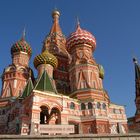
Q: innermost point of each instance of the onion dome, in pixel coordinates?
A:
(101, 71)
(45, 58)
(81, 36)
(21, 46)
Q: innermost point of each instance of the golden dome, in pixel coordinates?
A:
(45, 58)
(101, 71)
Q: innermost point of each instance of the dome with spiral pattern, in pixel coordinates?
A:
(45, 58)
(21, 46)
(81, 36)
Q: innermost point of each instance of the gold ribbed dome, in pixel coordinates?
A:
(45, 58)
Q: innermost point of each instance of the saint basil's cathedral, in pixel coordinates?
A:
(68, 90)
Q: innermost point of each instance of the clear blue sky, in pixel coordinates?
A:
(114, 23)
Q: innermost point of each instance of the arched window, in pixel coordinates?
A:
(72, 105)
(104, 106)
(98, 105)
(55, 115)
(83, 106)
(90, 105)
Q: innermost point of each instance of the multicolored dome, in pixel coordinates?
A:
(45, 58)
(21, 46)
(81, 36)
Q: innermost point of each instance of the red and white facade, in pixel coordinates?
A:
(78, 98)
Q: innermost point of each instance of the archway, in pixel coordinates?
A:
(55, 116)
(44, 115)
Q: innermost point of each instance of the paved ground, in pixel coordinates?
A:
(133, 136)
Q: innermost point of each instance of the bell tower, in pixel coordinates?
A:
(15, 75)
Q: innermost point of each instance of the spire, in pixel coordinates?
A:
(56, 27)
(55, 41)
(78, 22)
(137, 69)
(23, 34)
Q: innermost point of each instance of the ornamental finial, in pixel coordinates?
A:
(135, 60)
(23, 33)
(78, 22)
(55, 14)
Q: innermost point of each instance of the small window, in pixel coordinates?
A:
(83, 106)
(98, 105)
(90, 105)
(72, 105)
(104, 106)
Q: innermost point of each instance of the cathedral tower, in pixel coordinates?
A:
(45, 61)
(134, 122)
(85, 74)
(86, 79)
(15, 76)
(55, 42)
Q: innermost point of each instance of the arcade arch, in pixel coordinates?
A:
(50, 116)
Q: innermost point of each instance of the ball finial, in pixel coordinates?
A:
(55, 14)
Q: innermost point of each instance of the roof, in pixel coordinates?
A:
(45, 83)
(28, 89)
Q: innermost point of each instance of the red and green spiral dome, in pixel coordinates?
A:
(21, 46)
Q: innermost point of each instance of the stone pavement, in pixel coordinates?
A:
(134, 136)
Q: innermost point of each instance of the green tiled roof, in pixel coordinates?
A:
(45, 83)
(28, 89)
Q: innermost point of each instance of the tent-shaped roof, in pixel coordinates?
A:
(45, 83)
(28, 89)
